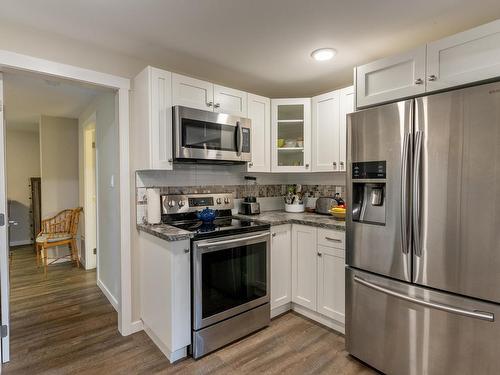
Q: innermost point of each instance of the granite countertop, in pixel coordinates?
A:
(305, 218)
(166, 232)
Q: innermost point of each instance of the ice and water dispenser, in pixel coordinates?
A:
(369, 192)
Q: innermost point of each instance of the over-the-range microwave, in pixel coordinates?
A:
(209, 136)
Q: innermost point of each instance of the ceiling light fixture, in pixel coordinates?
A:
(323, 54)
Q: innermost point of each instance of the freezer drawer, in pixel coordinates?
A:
(400, 328)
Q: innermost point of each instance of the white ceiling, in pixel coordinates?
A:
(262, 46)
(27, 96)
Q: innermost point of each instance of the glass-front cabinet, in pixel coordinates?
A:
(291, 135)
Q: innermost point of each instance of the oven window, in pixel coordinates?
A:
(208, 135)
(232, 277)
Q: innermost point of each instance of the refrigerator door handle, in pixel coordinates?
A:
(487, 316)
(404, 194)
(416, 192)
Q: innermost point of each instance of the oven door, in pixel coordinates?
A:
(230, 275)
(204, 135)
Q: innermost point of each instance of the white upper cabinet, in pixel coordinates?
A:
(469, 56)
(192, 92)
(291, 135)
(151, 128)
(325, 132)
(230, 101)
(391, 78)
(281, 265)
(304, 265)
(347, 97)
(259, 112)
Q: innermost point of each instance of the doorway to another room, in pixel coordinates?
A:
(53, 131)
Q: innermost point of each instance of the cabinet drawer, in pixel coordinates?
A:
(331, 238)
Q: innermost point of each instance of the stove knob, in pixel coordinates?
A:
(226, 200)
(218, 201)
(181, 203)
(171, 203)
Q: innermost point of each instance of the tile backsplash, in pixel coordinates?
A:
(239, 192)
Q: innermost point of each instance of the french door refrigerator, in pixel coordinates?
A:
(423, 234)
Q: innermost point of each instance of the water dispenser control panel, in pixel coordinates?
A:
(369, 169)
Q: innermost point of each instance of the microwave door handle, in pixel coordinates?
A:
(239, 138)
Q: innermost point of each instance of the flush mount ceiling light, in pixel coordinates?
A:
(323, 54)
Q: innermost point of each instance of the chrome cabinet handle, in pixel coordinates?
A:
(333, 239)
(186, 251)
(307, 165)
(216, 105)
(432, 77)
(209, 104)
(490, 317)
(416, 192)
(419, 81)
(250, 164)
(404, 194)
(170, 160)
(274, 234)
(319, 254)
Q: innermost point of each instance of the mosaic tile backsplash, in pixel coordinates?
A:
(261, 191)
(239, 191)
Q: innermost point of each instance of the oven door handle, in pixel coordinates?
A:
(204, 245)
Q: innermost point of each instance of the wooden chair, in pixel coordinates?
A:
(58, 231)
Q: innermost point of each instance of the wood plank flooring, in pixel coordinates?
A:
(65, 325)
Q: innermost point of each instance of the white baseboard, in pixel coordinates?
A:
(172, 356)
(313, 315)
(135, 327)
(109, 296)
(326, 321)
(281, 310)
(20, 243)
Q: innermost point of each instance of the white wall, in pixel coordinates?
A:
(108, 195)
(23, 162)
(59, 164)
(58, 169)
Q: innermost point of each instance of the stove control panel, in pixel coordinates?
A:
(183, 203)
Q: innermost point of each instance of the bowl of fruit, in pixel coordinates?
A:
(338, 212)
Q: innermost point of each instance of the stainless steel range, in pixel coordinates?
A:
(230, 270)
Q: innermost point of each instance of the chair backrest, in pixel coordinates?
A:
(65, 221)
(74, 221)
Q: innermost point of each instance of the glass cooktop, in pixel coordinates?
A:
(220, 227)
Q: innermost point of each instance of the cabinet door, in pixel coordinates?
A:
(230, 101)
(304, 266)
(281, 265)
(160, 141)
(391, 78)
(259, 111)
(470, 56)
(346, 106)
(192, 92)
(325, 132)
(291, 135)
(331, 283)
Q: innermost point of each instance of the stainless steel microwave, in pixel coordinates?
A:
(210, 136)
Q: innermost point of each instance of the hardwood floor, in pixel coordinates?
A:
(65, 325)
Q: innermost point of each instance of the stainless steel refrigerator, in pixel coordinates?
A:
(423, 234)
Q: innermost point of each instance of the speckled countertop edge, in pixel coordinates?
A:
(304, 218)
(165, 232)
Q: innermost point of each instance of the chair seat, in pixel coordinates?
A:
(53, 237)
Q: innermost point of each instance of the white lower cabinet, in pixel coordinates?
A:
(308, 269)
(331, 283)
(304, 266)
(165, 291)
(281, 265)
